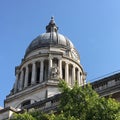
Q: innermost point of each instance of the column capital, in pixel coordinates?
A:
(59, 57)
(41, 60)
(66, 62)
(50, 56)
(33, 62)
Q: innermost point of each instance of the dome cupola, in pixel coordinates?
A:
(52, 26)
(50, 39)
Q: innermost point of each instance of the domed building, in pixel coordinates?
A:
(49, 58)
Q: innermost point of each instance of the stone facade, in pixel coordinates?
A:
(108, 86)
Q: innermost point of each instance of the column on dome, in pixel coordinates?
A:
(66, 72)
(21, 80)
(84, 78)
(33, 77)
(26, 77)
(81, 81)
(78, 77)
(73, 75)
(60, 68)
(24, 71)
(41, 70)
(50, 65)
(16, 83)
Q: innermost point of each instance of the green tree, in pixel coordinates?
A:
(78, 103)
(24, 116)
(84, 103)
(32, 115)
(39, 115)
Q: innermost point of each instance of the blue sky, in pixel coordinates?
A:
(92, 25)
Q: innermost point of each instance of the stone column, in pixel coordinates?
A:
(16, 83)
(60, 68)
(26, 77)
(73, 75)
(41, 70)
(66, 72)
(33, 73)
(21, 80)
(84, 78)
(78, 77)
(81, 81)
(50, 62)
(50, 66)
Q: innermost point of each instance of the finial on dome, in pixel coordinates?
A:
(52, 18)
(52, 26)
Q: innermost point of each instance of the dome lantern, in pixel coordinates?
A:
(52, 26)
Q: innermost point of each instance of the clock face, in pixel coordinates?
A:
(74, 54)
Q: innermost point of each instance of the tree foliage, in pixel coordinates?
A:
(32, 115)
(85, 104)
(24, 116)
(78, 103)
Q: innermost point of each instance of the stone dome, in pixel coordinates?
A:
(49, 39)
